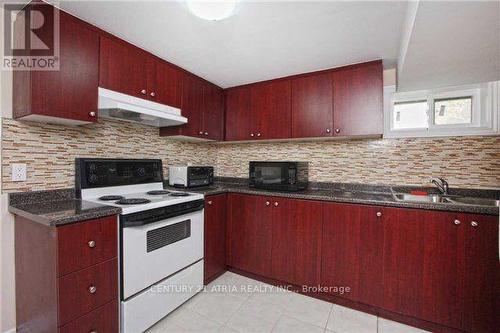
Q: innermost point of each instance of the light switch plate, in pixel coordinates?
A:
(18, 172)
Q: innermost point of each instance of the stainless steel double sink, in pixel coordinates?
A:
(449, 199)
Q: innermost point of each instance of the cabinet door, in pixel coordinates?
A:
(312, 106)
(213, 118)
(403, 259)
(215, 235)
(352, 248)
(442, 267)
(71, 91)
(122, 68)
(164, 82)
(296, 241)
(482, 273)
(192, 105)
(250, 233)
(238, 114)
(270, 109)
(358, 99)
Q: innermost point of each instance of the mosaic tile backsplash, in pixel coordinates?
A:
(49, 152)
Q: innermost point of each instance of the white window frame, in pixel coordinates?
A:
(485, 111)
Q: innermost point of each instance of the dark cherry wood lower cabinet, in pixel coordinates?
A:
(250, 233)
(430, 269)
(215, 236)
(351, 255)
(296, 241)
(103, 319)
(57, 292)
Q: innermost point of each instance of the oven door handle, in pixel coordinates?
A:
(127, 223)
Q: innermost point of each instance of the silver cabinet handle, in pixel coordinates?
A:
(206, 133)
(474, 224)
(93, 331)
(92, 113)
(456, 222)
(379, 214)
(92, 289)
(200, 133)
(152, 94)
(258, 134)
(276, 204)
(91, 243)
(337, 130)
(328, 130)
(143, 91)
(267, 203)
(251, 134)
(210, 202)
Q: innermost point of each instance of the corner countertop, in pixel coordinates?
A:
(354, 193)
(57, 207)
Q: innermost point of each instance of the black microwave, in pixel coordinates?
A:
(279, 176)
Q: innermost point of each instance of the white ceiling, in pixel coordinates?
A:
(452, 43)
(433, 43)
(263, 40)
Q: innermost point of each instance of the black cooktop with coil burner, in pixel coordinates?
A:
(132, 201)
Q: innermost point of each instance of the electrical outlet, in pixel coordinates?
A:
(18, 172)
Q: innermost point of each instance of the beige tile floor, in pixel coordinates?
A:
(234, 303)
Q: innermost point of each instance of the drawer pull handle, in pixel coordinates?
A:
(267, 203)
(209, 202)
(457, 222)
(92, 289)
(474, 224)
(93, 331)
(91, 244)
(379, 214)
(276, 204)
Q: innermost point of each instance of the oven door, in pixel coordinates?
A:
(154, 251)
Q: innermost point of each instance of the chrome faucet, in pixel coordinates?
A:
(441, 184)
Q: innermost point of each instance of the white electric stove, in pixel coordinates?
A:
(161, 236)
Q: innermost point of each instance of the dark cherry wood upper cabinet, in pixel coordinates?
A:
(296, 240)
(213, 112)
(358, 99)
(352, 251)
(482, 273)
(312, 106)
(215, 236)
(203, 105)
(250, 233)
(270, 110)
(67, 95)
(164, 82)
(122, 68)
(238, 116)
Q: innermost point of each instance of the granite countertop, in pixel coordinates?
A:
(60, 207)
(57, 207)
(355, 193)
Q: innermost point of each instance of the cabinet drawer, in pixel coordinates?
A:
(85, 290)
(85, 244)
(102, 320)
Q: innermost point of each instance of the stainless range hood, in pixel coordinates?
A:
(115, 105)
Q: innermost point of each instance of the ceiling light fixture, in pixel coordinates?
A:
(212, 10)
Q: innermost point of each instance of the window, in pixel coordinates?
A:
(411, 114)
(451, 111)
(467, 110)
